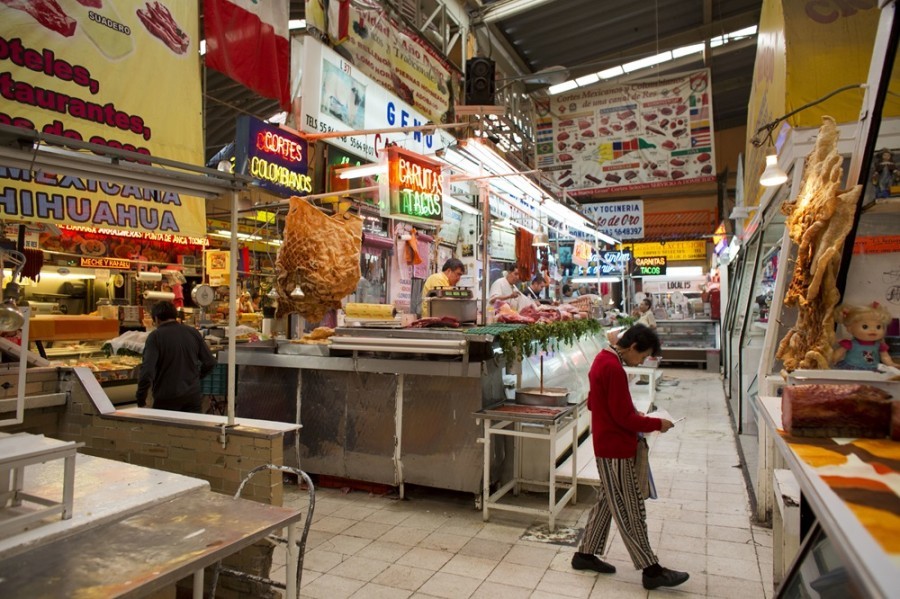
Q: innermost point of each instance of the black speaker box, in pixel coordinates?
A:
(480, 85)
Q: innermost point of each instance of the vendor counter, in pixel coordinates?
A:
(391, 406)
(851, 487)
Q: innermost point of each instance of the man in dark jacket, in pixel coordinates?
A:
(175, 359)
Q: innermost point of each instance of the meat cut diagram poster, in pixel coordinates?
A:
(606, 138)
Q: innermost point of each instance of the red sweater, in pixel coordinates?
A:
(615, 423)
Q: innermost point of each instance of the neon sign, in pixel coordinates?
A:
(416, 186)
(274, 157)
(650, 265)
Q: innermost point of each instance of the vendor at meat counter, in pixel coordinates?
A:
(449, 276)
(504, 289)
(533, 292)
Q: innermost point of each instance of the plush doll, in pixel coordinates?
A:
(867, 325)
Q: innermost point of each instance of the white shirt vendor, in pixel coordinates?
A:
(503, 290)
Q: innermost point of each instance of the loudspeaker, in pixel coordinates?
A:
(480, 86)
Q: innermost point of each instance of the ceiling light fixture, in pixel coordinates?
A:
(773, 175)
(364, 170)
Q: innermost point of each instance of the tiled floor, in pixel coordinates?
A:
(435, 544)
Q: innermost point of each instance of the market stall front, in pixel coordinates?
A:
(393, 406)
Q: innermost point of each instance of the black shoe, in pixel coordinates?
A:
(588, 561)
(642, 383)
(666, 578)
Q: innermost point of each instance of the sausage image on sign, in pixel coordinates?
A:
(160, 22)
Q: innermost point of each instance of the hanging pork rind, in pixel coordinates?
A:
(819, 220)
(320, 253)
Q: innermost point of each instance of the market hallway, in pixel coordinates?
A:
(436, 545)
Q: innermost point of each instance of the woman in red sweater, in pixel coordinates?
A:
(615, 425)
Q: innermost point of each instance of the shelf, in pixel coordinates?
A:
(889, 205)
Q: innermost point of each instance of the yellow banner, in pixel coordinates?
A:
(218, 265)
(806, 50)
(125, 75)
(674, 251)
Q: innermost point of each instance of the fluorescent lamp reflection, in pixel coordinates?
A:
(242, 236)
(458, 205)
(366, 170)
(562, 87)
(610, 73)
(687, 50)
(582, 280)
(587, 79)
(643, 63)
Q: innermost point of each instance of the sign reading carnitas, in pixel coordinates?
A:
(416, 186)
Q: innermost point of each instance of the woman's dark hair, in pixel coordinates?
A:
(642, 337)
(162, 311)
(567, 289)
(453, 264)
(647, 301)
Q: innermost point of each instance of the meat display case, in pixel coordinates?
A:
(690, 340)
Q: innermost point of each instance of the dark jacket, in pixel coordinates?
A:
(175, 359)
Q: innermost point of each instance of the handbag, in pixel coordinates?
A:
(642, 469)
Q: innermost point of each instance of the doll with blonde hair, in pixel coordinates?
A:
(867, 349)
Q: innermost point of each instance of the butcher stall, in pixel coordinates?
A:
(393, 406)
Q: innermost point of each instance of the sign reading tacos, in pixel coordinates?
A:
(416, 186)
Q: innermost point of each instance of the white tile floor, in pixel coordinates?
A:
(435, 544)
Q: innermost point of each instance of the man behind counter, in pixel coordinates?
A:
(449, 276)
(175, 359)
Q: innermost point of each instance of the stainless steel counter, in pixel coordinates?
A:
(389, 409)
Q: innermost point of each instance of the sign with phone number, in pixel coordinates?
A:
(650, 266)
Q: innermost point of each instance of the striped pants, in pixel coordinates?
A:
(619, 497)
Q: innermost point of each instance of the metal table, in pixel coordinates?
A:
(529, 422)
(148, 551)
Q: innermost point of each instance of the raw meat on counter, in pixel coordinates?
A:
(434, 321)
(836, 411)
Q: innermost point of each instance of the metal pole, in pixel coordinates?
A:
(232, 308)
(484, 196)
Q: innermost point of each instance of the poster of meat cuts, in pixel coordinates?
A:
(603, 138)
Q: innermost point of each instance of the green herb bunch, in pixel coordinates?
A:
(526, 341)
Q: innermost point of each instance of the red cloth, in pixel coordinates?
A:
(615, 422)
(250, 43)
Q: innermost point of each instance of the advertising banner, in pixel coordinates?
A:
(602, 138)
(619, 220)
(337, 96)
(396, 59)
(123, 74)
(218, 267)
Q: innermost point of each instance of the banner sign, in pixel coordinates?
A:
(674, 251)
(650, 266)
(619, 220)
(397, 59)
(336, 96)
(105, 263)
(581, 253)
(274, 157)
(601, 139)
(415, 187)
(218, 266)
(107, 75)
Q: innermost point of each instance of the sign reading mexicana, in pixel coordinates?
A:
(416, 186)
(274, 157)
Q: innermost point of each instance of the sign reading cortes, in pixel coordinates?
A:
(272, 156)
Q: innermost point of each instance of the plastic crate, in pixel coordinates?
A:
(216, 382)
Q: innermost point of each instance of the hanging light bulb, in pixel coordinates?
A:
(273, 294)
(297, 292)
(773, 175)
(540, 239)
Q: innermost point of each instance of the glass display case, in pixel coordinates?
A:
(690, 340)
